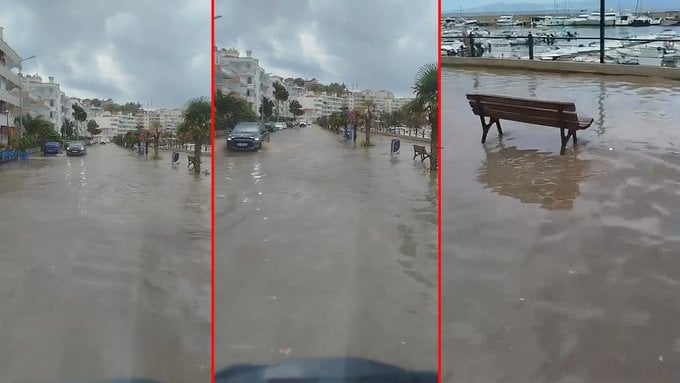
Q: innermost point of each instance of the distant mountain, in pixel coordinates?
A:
(542, 7)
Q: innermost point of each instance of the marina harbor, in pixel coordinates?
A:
(630, 38)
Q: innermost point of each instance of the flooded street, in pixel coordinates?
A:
(562, 268)
(324, 249)
(105, 263)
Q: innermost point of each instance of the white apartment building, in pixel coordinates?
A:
(112, 124)
(44, 99)
(169, 119)
(9, 89)
(316, 105)
(241, 75)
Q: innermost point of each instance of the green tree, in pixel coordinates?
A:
(93, 128)
(39, 130)
(80, 116)
(196, 126)
(266, 108)
(229, 110)
(425, 103)
(295, 108)
(280, 95)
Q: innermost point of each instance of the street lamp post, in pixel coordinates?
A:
(21, 96)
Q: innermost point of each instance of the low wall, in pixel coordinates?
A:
(564, 67)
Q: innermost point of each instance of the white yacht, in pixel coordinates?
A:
(551, 21)
(505, 21)
(579, 20)
(609, 19)
(624, 19)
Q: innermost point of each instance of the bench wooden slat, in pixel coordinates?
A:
(419, 150)
(531, 119)
(489, 107)
(566, 106)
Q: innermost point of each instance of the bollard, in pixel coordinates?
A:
(531, 46)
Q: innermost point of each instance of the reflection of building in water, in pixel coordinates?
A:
(534, 177)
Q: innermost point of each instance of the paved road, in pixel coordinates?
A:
(105, 269)
(323, 249)
(562, 268)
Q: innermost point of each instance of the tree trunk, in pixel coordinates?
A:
(369, 118)
(155, 146)
(197, 155)
(434, 140)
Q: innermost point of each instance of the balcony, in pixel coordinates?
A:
(10, 76)
(11, 98)
(543, 250)
(11, 57)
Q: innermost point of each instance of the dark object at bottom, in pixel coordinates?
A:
(323, 370)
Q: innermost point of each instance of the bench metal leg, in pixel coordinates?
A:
(498, 126)
(485, 127)
(565, 138)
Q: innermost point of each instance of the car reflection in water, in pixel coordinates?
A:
(323, 370)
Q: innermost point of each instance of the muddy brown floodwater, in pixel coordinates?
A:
(562, 268)
(105, 263)
(323, 249)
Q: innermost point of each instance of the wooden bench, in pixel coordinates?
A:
(419, 150)
(547, 113)
(192, 161)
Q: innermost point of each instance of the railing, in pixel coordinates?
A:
(9, 155)
(474, 45)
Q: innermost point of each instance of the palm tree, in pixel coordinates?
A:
(366, 110)
(156, 133)
(425, 88)
(196, 126)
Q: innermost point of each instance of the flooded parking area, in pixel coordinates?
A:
(562, 268)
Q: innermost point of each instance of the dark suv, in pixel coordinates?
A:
(247, 136)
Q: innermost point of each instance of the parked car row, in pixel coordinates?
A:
(73, 148)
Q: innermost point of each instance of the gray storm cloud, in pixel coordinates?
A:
(379, 44)
(146, 51)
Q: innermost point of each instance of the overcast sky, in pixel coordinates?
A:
(379, 44)
(130, 50)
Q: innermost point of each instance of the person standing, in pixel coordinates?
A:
(354, 132)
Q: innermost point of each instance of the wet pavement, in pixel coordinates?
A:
(562, 268)
(324, 249)
(105, 265)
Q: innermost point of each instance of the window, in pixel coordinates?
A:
(250, 80)
(51, 102)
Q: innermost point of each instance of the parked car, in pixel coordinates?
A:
(279, 126)
(76, 148)
(269, 126)
(302, 124)
(247, 136)
(51, 148)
